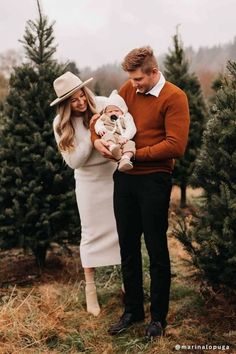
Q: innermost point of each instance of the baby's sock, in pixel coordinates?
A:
(125, 164)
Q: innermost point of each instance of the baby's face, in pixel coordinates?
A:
(110, 110)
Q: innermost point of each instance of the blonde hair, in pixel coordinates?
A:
(142, 58)
(65, 127)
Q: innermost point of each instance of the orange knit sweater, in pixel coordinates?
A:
(162, 127)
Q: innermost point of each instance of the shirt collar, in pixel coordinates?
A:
(155, 91)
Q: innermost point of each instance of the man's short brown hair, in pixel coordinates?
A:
(142, 58)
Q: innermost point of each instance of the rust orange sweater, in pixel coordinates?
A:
(162, 127)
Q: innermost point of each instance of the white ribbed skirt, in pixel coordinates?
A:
(94, 194)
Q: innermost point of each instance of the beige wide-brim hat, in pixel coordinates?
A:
(66, 85)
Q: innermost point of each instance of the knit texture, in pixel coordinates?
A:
(162, 127)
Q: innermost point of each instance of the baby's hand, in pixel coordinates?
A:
(101, 132)
(122, 140)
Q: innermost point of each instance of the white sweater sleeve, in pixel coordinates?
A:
(76, 158)
(130, 128)
(99, 126)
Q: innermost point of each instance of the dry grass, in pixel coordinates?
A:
(46, 313)
(33, 318)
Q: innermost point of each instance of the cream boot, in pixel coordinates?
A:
(91, 298)
(91, 292)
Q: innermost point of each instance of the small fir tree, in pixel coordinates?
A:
(211, 239)
(37, 190)
(71, 66)
(177, 72)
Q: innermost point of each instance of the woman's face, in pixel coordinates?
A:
(78, 103)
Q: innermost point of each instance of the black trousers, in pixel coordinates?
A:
(141, 204)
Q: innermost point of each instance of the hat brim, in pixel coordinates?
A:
(70, 93)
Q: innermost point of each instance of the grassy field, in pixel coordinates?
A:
(45, 313)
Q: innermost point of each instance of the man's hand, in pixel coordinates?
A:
(102, 147)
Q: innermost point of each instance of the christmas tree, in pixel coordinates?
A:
(211, 239)
(177, 71)
(37, 189)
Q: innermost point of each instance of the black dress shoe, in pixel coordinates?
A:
(154, 329)
(126, 320)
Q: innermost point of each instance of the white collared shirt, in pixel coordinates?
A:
(155, 91)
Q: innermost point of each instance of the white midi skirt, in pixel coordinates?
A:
(94, 194)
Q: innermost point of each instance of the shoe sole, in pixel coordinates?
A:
(152, 338)
(126, 167)
(124, 329)
(120, 331)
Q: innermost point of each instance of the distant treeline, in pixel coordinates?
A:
(214, 58)
(206, 62)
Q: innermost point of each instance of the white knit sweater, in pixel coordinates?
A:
(84, 155)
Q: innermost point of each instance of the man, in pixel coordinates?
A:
(141, 195)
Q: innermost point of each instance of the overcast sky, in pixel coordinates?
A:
(96, 32)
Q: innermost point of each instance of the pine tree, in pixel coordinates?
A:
(71, 66)
(177, 72)
(37, 198)
(212, 238)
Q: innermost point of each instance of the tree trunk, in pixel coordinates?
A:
(40, 252)
(183, 199)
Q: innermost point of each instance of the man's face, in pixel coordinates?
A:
(143, 82)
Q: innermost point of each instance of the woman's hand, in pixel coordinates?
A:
(102, 147)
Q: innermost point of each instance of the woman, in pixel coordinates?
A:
(93, 178)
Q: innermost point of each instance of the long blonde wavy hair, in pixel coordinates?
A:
(65, 127)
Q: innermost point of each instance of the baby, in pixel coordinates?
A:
(116, 126)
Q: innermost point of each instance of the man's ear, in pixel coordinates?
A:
(155, 70)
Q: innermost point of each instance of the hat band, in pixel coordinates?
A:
(69, 91)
